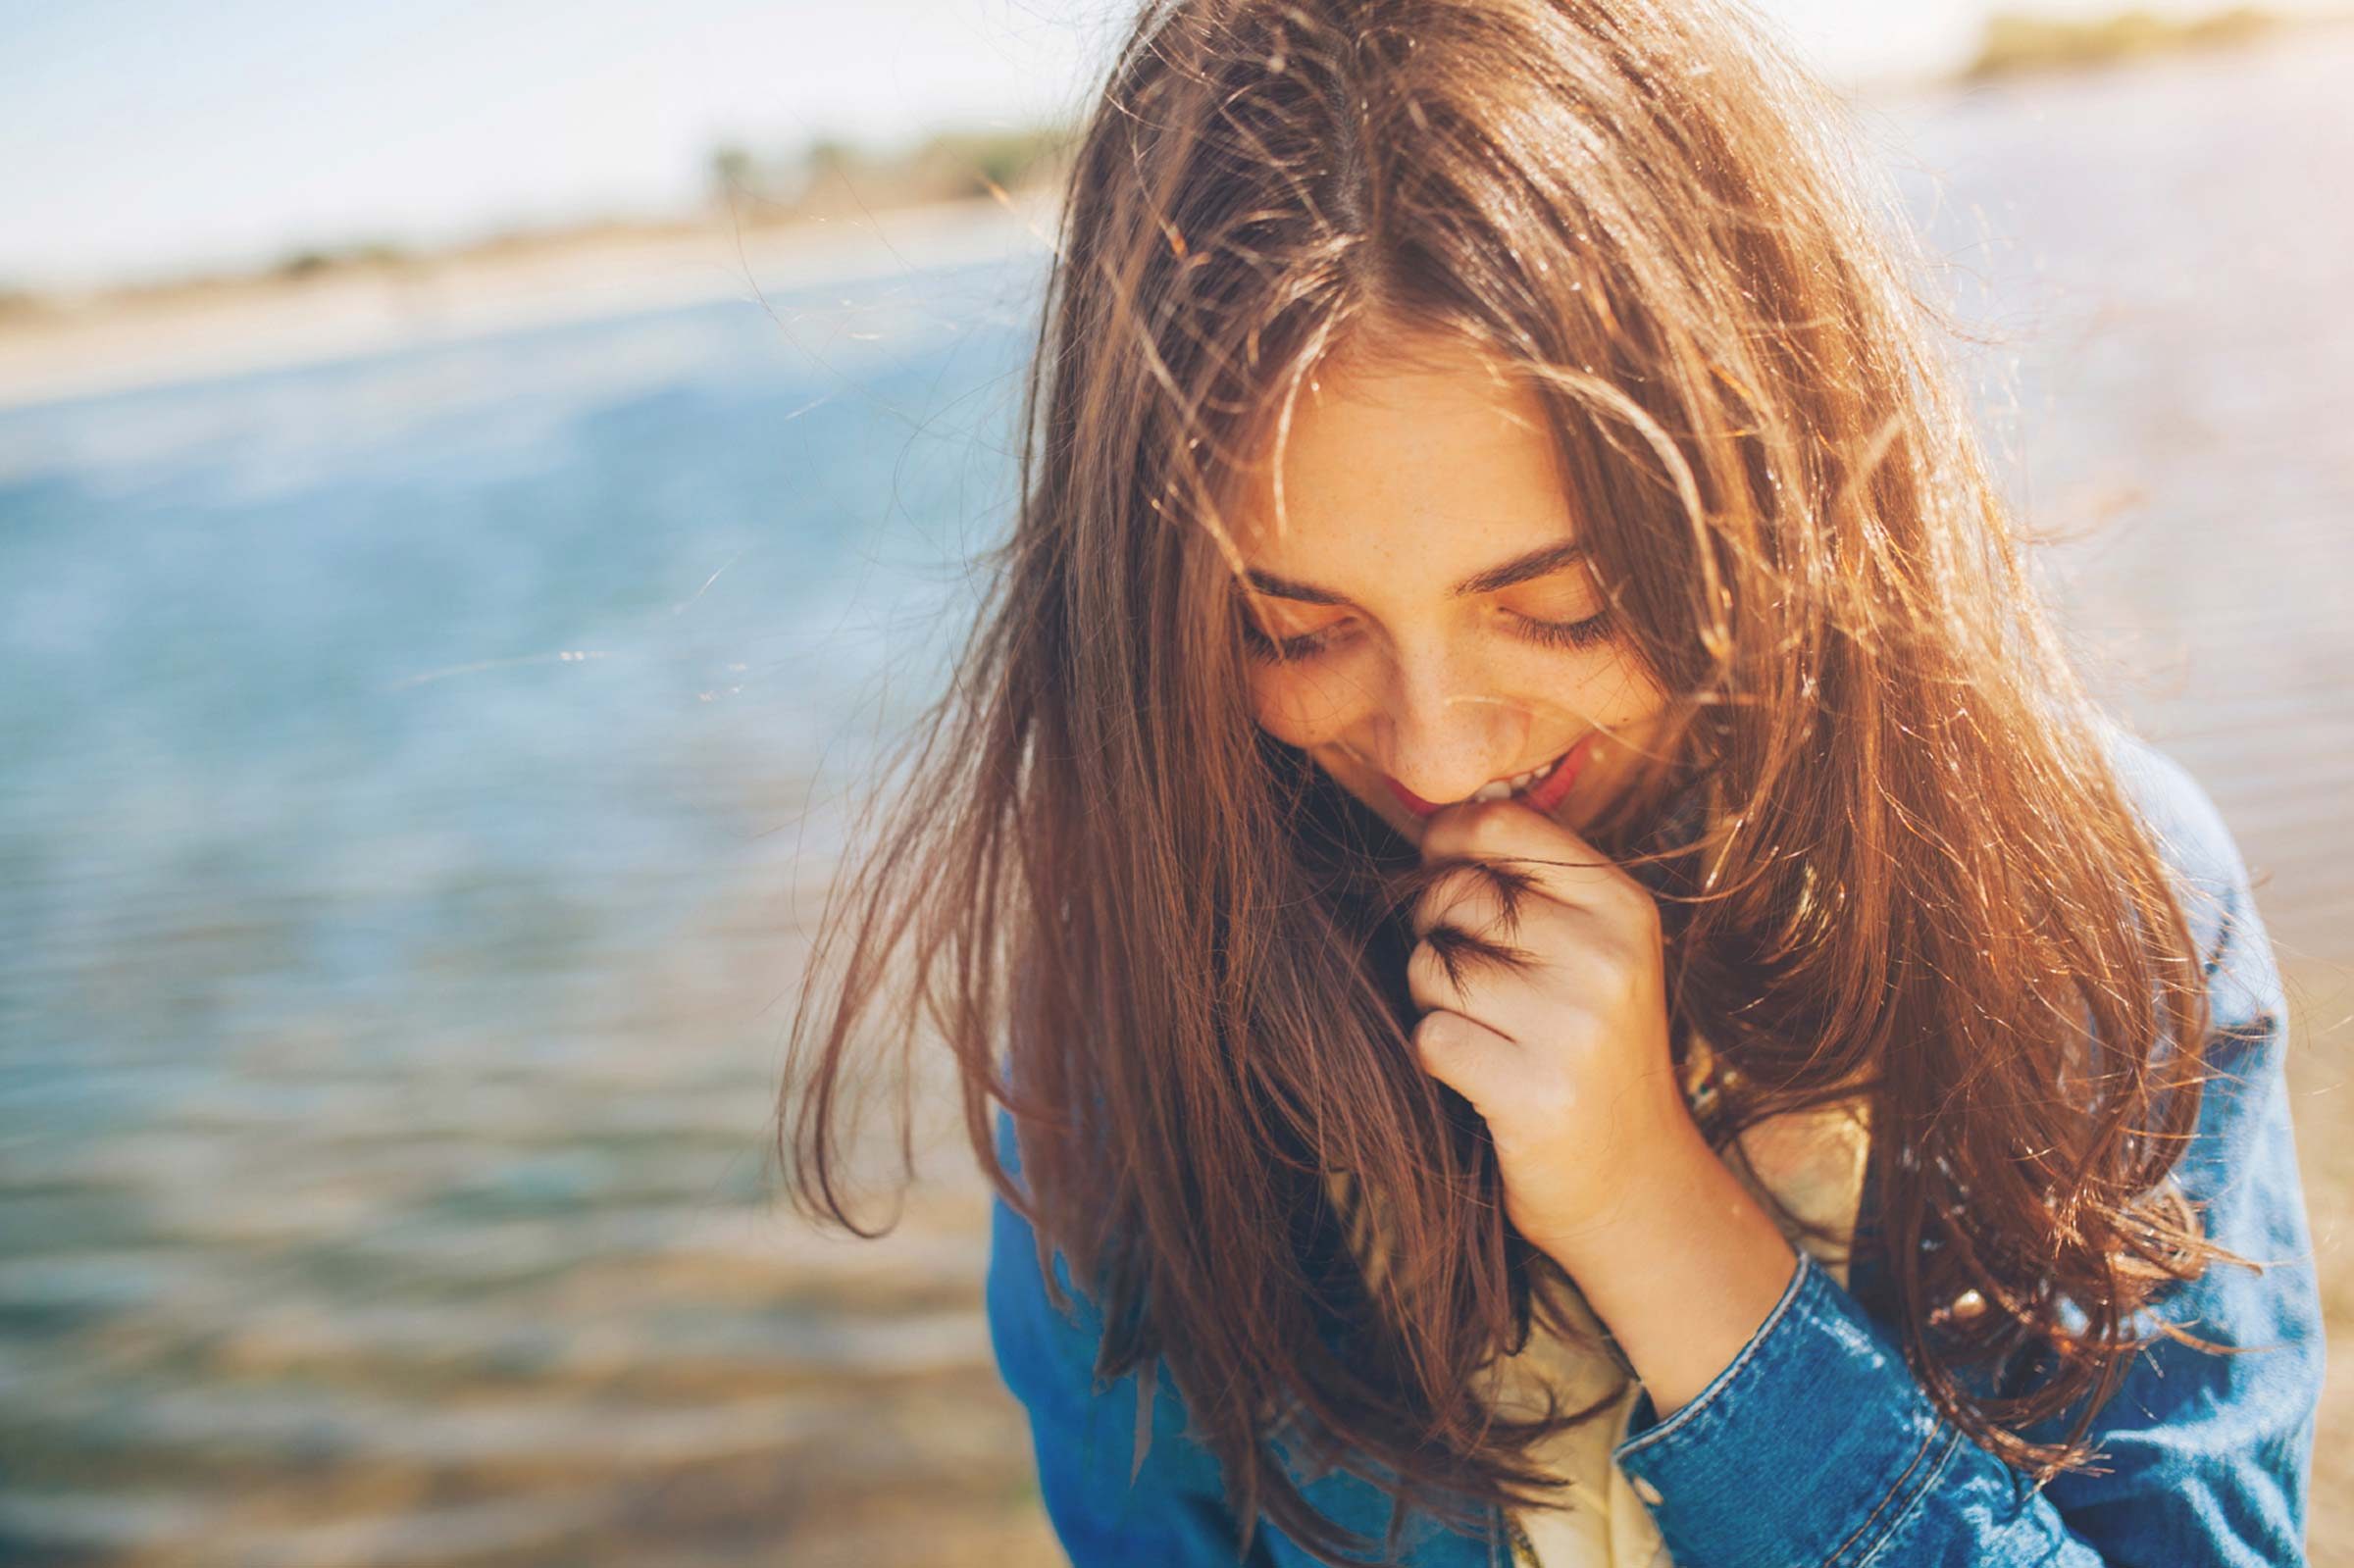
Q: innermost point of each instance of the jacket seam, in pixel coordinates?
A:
(1920, 1501)
(1880, 1541)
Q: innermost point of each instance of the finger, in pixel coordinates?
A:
(1487, 829)
(1431, 981)
(1465, 1055)
(1559, 862)
(1475, 896)
(1444, 966)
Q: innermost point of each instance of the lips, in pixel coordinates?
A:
(1545, 794)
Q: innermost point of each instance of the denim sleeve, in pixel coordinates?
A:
(1168, 1510)
(1815, 1445)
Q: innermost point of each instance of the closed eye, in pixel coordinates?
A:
(1583, 633)
(1287, 650)
(1306, 645)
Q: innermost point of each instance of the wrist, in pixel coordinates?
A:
(1682, 1270)
(1678, 1172)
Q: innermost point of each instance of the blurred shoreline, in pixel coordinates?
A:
(119, 340)
(56, 347)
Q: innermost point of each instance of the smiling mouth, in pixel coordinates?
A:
(1541, 788)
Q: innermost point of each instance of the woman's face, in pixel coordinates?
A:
(1422, 621)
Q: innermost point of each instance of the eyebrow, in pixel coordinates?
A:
(1537, 563)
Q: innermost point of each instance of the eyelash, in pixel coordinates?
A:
(1583, 633)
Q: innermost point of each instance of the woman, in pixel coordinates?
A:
(1563, 972)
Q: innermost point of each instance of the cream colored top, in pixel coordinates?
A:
(1813, 1162)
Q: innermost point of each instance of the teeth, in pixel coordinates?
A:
(1498, 788)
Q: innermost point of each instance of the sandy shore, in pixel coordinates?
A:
(115, 344)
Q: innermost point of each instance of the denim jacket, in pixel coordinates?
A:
(1815, 1446)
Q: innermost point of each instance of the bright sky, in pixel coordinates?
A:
(142, 138)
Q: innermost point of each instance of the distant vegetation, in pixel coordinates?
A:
(823, 179)
(831, 178)
(829, 175)
(374, 253)
(2014, 41)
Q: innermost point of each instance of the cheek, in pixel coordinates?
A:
(1298, 708)
(1619, 689)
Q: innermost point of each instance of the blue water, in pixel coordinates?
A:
(445, 668)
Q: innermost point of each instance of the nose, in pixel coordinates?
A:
(1445, 732)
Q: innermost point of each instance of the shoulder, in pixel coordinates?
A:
(2178, 812)
(2211, 877)
(2198, 1445)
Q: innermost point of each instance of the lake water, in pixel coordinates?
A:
(421, 770)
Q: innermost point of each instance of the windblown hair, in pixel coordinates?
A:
(1906, 870)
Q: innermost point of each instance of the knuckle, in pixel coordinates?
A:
(1464, 892)
(1548, 923)
(1446, 832)
(1614, 970)
(1488, 825)
(1418, 964)
(1631, 905)
(1436, 896)
(1426, 976)
(1626, 986)
(1460, 882)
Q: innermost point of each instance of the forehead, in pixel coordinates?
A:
(1428, 463)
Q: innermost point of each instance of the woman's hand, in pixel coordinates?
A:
(1564, 1052)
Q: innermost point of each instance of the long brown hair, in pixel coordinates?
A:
(1905, 871)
